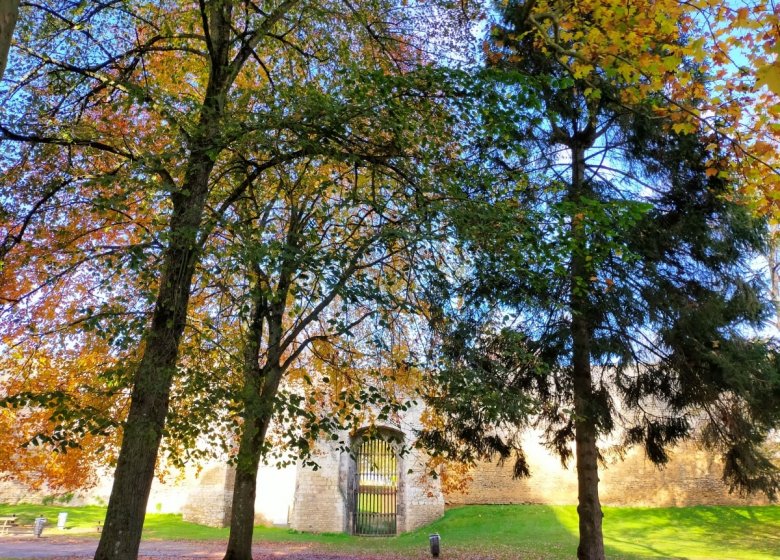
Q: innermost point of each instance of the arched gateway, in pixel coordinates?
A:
(375, 485)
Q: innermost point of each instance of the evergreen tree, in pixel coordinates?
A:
(610, 286)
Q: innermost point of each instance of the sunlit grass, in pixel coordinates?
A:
(80, 519)
(517, 531)
(694, 532)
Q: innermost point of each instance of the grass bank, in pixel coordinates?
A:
(541, 532)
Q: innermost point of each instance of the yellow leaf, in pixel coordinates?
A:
(671, 63)
(769, 76)
(683, 128)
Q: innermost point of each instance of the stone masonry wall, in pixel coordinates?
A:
(210, 501)
(165, 497)
(11, 492)
(322, 497)
(319, 504)
(201, 498)
(692, 477)
(423, 500)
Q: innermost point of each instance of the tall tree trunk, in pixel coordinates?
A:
(257, 416)
(258, 411)
(149, 403)
(260, 388)
(591, 546)
(9, 12)
(253, 433)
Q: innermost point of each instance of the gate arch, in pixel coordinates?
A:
(375, 485)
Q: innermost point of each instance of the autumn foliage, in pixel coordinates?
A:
(711, 66)
(201, 199)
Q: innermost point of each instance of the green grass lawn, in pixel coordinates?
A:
(543, 532)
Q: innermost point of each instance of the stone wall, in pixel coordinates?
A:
(692, 477)
(204, 497)
(165, 497)
(317, 500)
(11, 492)
(423, 501)
(210, 500)
(320, 501)
(275, 492)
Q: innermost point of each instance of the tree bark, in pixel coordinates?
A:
(9, 12)
(257, 417)
(252, 436)
(591, 545)
(260, 390)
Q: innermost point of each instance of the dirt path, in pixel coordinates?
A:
(68, 548)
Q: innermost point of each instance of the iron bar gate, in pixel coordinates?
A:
(376, 488)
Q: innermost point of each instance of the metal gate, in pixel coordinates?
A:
(375, 488)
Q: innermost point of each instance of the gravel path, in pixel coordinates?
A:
(67, 548)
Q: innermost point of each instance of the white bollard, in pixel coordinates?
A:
(38, 526)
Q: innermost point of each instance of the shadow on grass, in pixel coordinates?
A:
(500, 531)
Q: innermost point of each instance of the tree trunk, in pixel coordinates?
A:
(257, 416)
(9, 12)
(143, 428)
(256, 420)
(591, 546)
(253, 432)
(260, 388)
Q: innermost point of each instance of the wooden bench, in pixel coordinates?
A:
(7, 523)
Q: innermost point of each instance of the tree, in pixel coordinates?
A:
(326, 248)
(154, 372)
(129, 123)
(46, 411)
(619, 272)
(651, 45)
(75, 287)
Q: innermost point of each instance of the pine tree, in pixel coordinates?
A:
(614, 290)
